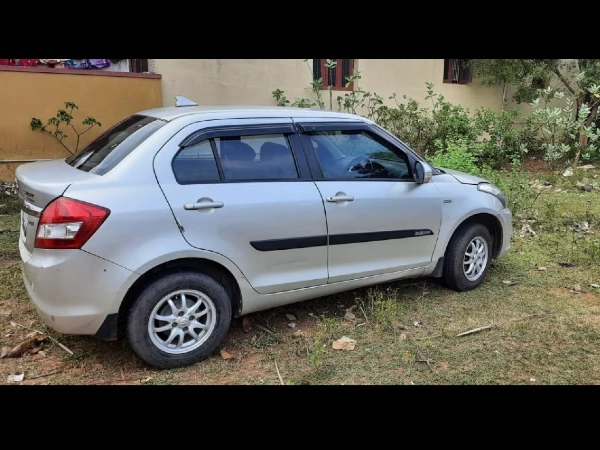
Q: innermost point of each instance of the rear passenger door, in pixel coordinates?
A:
(242, 189)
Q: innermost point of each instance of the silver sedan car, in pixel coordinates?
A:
(178, 219)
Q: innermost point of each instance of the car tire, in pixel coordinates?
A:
(166, 333)
(470, 239)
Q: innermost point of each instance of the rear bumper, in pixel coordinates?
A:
(75, 292)
(505, 218)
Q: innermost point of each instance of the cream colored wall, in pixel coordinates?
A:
(408, 77)
(251, 81)
(232, 81)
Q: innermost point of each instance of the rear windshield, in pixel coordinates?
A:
(109, 149)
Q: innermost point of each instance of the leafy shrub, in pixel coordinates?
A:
(55, 126)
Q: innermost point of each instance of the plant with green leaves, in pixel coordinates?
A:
(53, 126)
(483, 139)
(316, 86)
(455, 155)
(569, 132)
(576, 78)
(525, 75)
(504, 136)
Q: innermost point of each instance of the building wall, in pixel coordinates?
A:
(408, 77)
(39, 92)
(251, 81)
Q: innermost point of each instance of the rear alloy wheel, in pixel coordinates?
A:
(179, 320)
(467, 257)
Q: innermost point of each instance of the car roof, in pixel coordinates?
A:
(246, 112)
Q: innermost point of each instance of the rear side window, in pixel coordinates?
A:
(239, 158)
(196, 164)
(110, 148)
(261, 157)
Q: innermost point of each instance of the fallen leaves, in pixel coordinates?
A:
(291, 320)
(344, 343)
(247, 324)
(225, 355)
(509, 282)
(31, 345)
(64, 347)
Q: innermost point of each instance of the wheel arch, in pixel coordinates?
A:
(218, 271)
(490, 221)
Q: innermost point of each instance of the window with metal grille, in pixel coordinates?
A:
(336, 77)
(457, 71)
(138, 65)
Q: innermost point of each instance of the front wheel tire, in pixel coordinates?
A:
(179, 320)
(468, 257)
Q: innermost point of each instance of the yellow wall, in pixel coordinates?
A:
(251, 81)
(26, 94)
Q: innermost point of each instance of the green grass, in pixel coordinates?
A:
(541, 333)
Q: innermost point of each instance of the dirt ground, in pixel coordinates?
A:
(538, 312)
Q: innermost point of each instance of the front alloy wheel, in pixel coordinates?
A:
(476, 258)
(467, 257)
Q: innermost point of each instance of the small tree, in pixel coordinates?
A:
(577, 77)
(566, 135)
(64, 117)
(526, 75)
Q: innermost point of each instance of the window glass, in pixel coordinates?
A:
(111, 147)
(262, 157)
(196, 164)
(356, 154)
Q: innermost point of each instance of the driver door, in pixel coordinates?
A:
(379, 220)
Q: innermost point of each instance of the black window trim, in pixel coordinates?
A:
(210, 134)
(378, 135)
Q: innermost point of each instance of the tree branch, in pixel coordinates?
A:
(76, 143)
(86, 130)
(564, 81)
(58, 140)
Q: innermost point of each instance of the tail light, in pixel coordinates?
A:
(68, 223)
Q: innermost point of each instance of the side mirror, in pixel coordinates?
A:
(423, 172)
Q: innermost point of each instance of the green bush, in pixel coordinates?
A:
(456, 156)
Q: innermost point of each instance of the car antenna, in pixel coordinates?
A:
(180, 100)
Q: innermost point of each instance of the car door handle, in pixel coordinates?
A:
(340, 198)
(202, 205)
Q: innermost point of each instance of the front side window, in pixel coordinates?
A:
(111, 147)
(356, 154)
